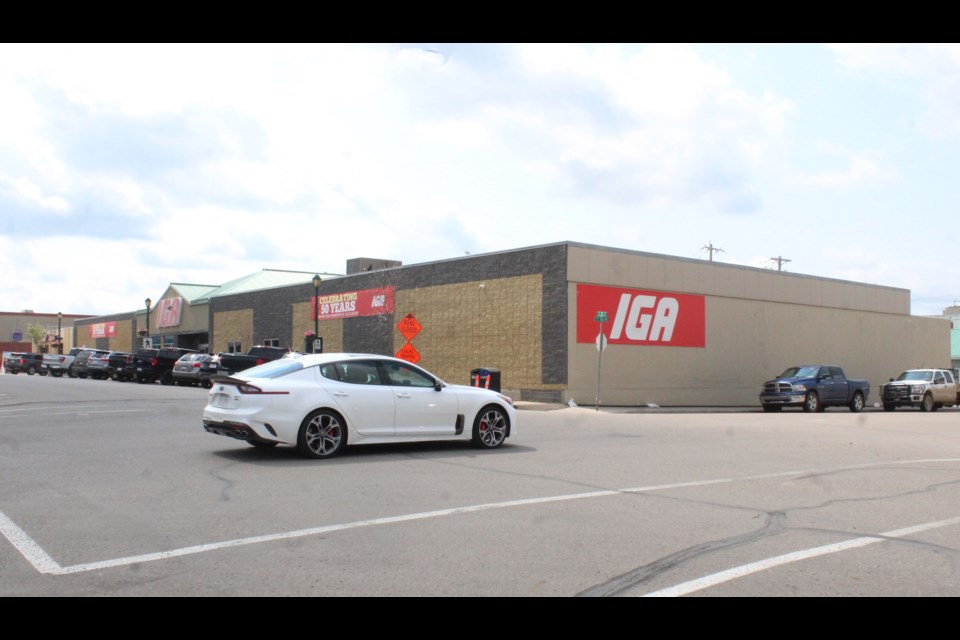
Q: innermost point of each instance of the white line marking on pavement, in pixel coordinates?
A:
(787, 558)
(43, 563)
(76, 413)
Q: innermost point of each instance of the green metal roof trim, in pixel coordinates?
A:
(265, 279)
(193, 292)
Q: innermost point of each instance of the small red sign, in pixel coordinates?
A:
(408, 353)
(409, 327)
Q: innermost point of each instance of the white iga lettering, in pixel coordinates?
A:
(654, 327)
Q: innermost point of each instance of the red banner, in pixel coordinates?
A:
(351, 304)
(102, 330)
(650, 318)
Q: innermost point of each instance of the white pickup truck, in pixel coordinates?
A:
(928, 389)
(58, 364)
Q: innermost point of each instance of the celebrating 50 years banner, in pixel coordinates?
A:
(351, 304)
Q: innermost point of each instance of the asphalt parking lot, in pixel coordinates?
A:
(114, 489)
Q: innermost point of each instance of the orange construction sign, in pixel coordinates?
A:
(408, 353)
(409, 327)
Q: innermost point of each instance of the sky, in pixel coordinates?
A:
(124, 168)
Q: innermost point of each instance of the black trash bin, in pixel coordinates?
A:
(485, 378)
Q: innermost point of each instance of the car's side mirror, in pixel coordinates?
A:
(437, 385)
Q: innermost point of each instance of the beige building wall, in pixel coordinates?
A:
(193, 318)
(232, 326)
(758, 323)
(331, 330)
(494, 323)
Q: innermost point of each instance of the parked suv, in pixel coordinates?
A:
(928, 389)
(150, 365)
(81, 364)
(186, 371)
(118, 361)
(29, 363)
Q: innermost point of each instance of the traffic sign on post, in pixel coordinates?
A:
(408, 353)
(409, 327)
(601, 342)
(601, 316)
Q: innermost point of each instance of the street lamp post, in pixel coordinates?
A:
(147, 302)
(316, 309)
(59, 338)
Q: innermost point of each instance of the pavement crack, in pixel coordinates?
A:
(772, 526)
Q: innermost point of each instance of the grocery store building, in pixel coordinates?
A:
(680, 332)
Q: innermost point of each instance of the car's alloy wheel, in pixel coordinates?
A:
(812, 403)
(928, 404)
(856, 405)
(490, 427)
(322, 435)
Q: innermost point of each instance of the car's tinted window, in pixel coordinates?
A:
(329, 371)
(358, 372)
(402, 375)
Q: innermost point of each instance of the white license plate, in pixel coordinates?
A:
(220, 400)
(139, 369)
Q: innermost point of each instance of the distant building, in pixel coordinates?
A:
(15, 337)
(954, 314)
(680, 331)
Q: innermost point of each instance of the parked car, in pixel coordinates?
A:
(58, 364)
(320, 403)
(235, 362)
(151, 365)
(209, 367)
(29, 363)
(8, 360)
(186, 370)
(98, 365)
(929, 389)
(814, 387)
(118, 361)
(80, 364)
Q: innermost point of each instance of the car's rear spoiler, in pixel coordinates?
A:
(218, 379)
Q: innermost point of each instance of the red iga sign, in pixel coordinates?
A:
(650, 318)
(102, 330)
(351, 304)
(168, 312)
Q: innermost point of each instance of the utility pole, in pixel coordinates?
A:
(780, 260)
(711, 249)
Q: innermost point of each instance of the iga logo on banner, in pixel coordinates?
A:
(653, 318)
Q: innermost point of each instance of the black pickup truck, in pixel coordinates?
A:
(231, 363)
(150, 365)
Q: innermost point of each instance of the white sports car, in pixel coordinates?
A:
(320, 403)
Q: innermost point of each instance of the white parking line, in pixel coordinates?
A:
(787, 558)
(45, 564)
(74, 413)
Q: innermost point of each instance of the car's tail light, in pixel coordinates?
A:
(249, 389)
(196, 365)
(154, 362)
(260, 360)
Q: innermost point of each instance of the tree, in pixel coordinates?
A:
(37, 334)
